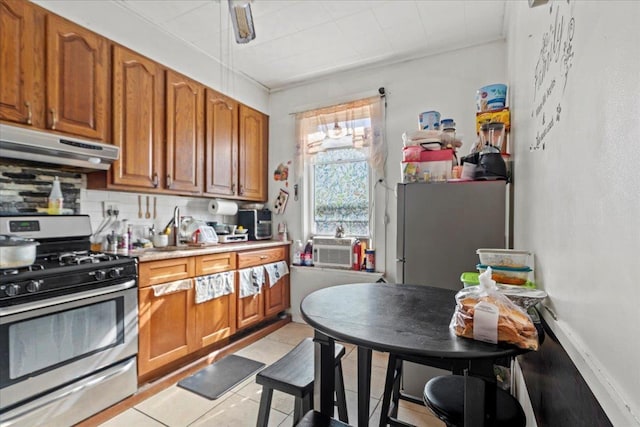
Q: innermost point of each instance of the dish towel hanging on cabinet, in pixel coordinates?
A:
(276, 271)
(251, 281)
(214, 286)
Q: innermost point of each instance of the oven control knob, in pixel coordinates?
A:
(33, 286)
(12, 290)
(114, 273)
(100, 275)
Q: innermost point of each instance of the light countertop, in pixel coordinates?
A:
(155, 254)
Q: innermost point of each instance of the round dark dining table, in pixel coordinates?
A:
(411, 321)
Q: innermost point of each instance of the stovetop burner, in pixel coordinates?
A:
(64, 262)
(58, 260)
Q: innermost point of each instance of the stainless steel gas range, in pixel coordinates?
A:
(68, 326)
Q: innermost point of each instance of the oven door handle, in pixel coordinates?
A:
(7, 311)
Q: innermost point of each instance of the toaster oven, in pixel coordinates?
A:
(257, 221)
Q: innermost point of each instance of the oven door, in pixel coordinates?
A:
(48, 344)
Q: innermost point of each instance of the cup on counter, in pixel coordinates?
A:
(160, 240)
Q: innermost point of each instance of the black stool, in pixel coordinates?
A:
(445, 397)
(293, 374)
(316, 419)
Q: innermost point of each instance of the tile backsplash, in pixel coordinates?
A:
(25, 188)
(94, 201)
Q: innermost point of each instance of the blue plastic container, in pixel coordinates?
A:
(491, 97)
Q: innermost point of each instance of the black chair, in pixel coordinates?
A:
(445, 397)
(392, 392)
(293, 374)
(316, 419)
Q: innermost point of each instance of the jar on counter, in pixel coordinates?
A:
(370, 260)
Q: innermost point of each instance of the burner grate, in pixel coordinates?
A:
(32, 267)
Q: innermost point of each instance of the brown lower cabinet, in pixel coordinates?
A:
(172, 326)
(216, 318)
(272, 299)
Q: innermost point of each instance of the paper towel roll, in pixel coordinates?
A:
(222, 207)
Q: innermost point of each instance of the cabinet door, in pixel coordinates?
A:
(138, 119)
(250, 310)
(166, 328)
(252, 163)
(276, 297)
(215, 319)
(221, 145)
(21, 63)
(185, 133)
(77, 79)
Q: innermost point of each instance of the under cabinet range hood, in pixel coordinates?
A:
(37, 146)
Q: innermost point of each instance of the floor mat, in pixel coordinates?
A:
(221, 376)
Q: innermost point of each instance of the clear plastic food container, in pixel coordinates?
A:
(507, 275)
(469, 278)
(504, 257)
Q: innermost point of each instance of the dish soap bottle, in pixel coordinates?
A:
(55, 198)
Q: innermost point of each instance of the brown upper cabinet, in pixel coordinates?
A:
(221, 149)
(252, 163)
(138, 120)
(175, 135)
(21, 63)
(185, 133)
(77, 79)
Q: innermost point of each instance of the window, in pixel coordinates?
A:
(340, 153)
(340, 189)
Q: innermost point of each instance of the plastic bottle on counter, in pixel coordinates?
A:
(298, 250)
(308, 253)
(130, 237)
(55, 198)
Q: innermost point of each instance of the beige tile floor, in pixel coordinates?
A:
(177, 407)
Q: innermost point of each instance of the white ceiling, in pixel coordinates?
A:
(299, 40)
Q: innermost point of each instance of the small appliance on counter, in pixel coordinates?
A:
(258, 222)
(233, 238)
(489, 164)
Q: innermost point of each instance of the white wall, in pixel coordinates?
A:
(445, 82)
(114, 21)
(577, 204)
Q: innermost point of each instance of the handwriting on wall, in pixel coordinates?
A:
(551, 72)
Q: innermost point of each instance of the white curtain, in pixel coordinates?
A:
(340, 126)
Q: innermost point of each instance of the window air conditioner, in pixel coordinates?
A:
(336, 252)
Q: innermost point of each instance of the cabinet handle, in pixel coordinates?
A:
(263, 257)
(241, 190)
(169, 182)
(155, 179)
(54, 119)
(233, 187)
(29, 112)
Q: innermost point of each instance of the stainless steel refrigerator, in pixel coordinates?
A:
(440, 226)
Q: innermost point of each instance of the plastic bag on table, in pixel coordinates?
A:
(484, 314)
